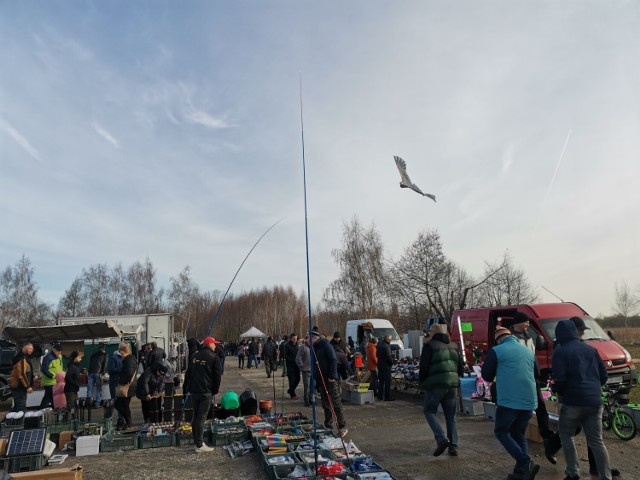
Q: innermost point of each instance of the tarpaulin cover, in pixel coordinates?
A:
(62, 333)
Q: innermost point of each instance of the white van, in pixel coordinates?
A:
(358, 330)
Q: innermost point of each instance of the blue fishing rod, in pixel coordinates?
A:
(306, 234)
(215, 316)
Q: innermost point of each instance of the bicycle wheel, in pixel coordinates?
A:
(623, 425)
(606, 418)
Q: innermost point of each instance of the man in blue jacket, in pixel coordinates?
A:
(578, 375)
(514, 368)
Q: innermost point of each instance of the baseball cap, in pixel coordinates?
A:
(209, 341)
(579, 323)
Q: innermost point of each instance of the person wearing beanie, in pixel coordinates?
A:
(441, 367)
(72, 381)
(338, 341)
(514, 368)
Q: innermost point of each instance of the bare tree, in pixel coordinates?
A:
(183, 297)
(73, 303)
(95, 281)
(626, 302)
(504, 284)
(361, 287)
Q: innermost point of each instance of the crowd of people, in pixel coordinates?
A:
(577, 379)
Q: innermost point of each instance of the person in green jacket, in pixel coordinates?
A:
(440, 370)
(51, 364)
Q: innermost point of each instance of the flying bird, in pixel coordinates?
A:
(405, 181)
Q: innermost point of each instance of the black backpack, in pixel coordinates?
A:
(248, 403)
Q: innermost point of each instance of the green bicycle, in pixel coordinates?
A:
(613, 416)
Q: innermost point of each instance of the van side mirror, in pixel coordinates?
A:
(541, 343)
(611, 335)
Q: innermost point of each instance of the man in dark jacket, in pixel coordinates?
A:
(149, 390)
(344, 369)
(204, 376)
(578, 375)
(337, 341)
(385, 362)
(97, 367)
(327, 381)
(21, 379)
(270, 356)
(293, 372)
(155, 355)
(440, 370)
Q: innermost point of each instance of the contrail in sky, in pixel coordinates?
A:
(553, 179)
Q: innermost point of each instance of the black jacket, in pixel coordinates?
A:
(204, 373)
(270, 352)
(326, 362)
(149, 384)
(385, 358)
(72, 378)
(290, 352)
(344, 369)
(98, 362)
(253, 347)
(129, 368)
(154, 356)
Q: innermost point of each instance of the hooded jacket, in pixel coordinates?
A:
(51, 364)
(21, 373)
(577, 370)
(72, 378)
(149, 384)
(204, 373)
(59, 399)
(372, 356)
(440, 364)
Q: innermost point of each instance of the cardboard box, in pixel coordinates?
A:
(70, 473)
(532, 432)
(64, 438)
(3, 446)
(87, 445)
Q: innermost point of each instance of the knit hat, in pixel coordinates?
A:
(500, 333)
(438, 328)
(314, 333)
(336, 334)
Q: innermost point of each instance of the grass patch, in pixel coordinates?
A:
(634, 350)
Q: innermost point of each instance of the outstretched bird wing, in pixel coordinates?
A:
(405, 181)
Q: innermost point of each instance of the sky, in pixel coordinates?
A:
(172, 131)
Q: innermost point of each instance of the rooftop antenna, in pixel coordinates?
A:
(541, 286)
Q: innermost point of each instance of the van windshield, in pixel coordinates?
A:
(383, 332)
(595, 331)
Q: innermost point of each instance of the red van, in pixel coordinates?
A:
(478, 325)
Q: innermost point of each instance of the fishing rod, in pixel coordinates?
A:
(306, 236)
(215, 316)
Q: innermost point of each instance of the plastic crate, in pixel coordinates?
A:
(278, 472)
(185, 438)
(228, 438)
(157, 441)
(472, 406)
(54, 428)
(119, 443)
(27, 463)
(6, 429)
(490, 410)
(269, 458)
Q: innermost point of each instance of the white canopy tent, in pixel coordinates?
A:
(253, 332)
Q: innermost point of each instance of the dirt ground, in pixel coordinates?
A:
(394, 433)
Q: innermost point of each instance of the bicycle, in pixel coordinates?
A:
(613, 416)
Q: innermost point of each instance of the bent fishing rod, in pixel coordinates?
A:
(215, 316)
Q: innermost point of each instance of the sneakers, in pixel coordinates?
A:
(442, 446)
(203, 449)
(343, 432)
(453, 452)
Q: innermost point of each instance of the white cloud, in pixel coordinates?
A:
(20, 139)
(106, 135)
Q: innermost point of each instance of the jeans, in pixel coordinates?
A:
(240, 361)
(510, 429)
(113, 384)
(384, 383)
(151, 411)
(590, 418)
(306, 380)
(201, 404)
(94, 380)
(71, 402)
(448, 398)
(331, 397)
(252, 359)
(270, 366)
